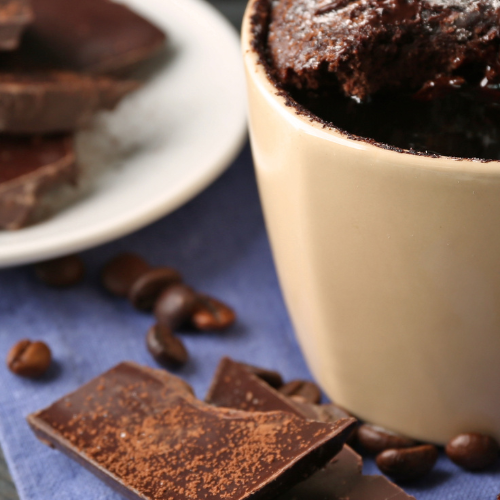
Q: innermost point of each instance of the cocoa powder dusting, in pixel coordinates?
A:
(155, 438)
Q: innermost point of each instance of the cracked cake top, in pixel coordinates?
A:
(367, 46)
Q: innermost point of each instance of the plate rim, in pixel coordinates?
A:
(88, 239)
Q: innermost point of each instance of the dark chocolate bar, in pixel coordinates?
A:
(142, 432)
(15, 15)
(55, 101)
(98, 36)
(29, 167)
(236, 386)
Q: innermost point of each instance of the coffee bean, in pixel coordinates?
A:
(472, 451)
(120, 273)
(212, 314)
(29, 359)
(61, 272)
(308, 390)
(148, 286)
(165, 347)
(405, 464)
(175, 305)
(376, 439)
(274, 379)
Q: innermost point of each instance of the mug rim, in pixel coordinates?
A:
(310, 124)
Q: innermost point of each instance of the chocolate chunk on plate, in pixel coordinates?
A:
(43, 102)
(29, 167)
(15, 15)
(98, 36)
(143, 433)
(235, 386)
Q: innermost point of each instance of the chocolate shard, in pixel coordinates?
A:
(340, 481)
(141, 431)
(29, 167)
(98, 36)
(45, 102)
(324, 413)
(234, 386)
(272, 377)
(15, 15)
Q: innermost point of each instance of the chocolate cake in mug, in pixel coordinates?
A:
(418, 75)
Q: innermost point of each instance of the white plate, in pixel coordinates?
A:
(162, 146)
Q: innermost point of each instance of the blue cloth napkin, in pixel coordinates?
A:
(218, 241)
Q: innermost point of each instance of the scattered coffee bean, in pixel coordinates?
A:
(472, 451)
(212, 314)
(148, 287)
(376, 439)
(61, 272)
(165, 347)
(405, 464)
(175, 305)
(308, 390)
(120, 273)
(274, 379)
(29, 359)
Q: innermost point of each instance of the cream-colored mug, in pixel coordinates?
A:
(390, 267)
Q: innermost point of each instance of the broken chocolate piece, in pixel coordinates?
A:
(339, 480)
(55, 101)
(98, 36)
(238, 385)
(28, 168)
(15, 15)
(274, 379)
(234, 386)
(145, 435)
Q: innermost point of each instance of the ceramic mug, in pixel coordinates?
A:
(390, 267)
